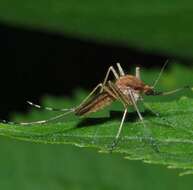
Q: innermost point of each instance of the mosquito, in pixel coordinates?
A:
(125, 88)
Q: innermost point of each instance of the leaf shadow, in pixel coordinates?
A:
(114, 115)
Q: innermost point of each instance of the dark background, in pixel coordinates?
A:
(35, 63)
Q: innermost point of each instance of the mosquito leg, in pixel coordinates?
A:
(147, 132)
(119, 130)
(100, 85)
(136, 108)
(137, 73)
(111, 69)
(111, 93)
(63, 110)
(120, 127)
(120, 69)
(40, 121)
(126, 102)
(48, 108)
(72, 110)
(120, 96)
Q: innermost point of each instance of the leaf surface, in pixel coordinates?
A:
(167, 139)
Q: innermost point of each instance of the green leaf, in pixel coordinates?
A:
(163, 26)
(171, 133)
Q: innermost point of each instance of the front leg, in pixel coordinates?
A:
(115, 74)
(146, 130)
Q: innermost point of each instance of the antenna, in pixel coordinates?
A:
(160, 74)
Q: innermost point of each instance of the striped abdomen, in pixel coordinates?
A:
(96, 103)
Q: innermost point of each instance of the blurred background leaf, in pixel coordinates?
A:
(157, 26)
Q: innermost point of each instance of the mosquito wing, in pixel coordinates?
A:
(96, 103)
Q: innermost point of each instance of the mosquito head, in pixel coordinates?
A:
(149, 91)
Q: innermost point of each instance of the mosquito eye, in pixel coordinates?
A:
(149, 92)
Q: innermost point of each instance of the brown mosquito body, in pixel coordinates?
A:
(119, 90)
(97, 103)
(127, 89)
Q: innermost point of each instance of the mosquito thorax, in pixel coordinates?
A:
(130, 81)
